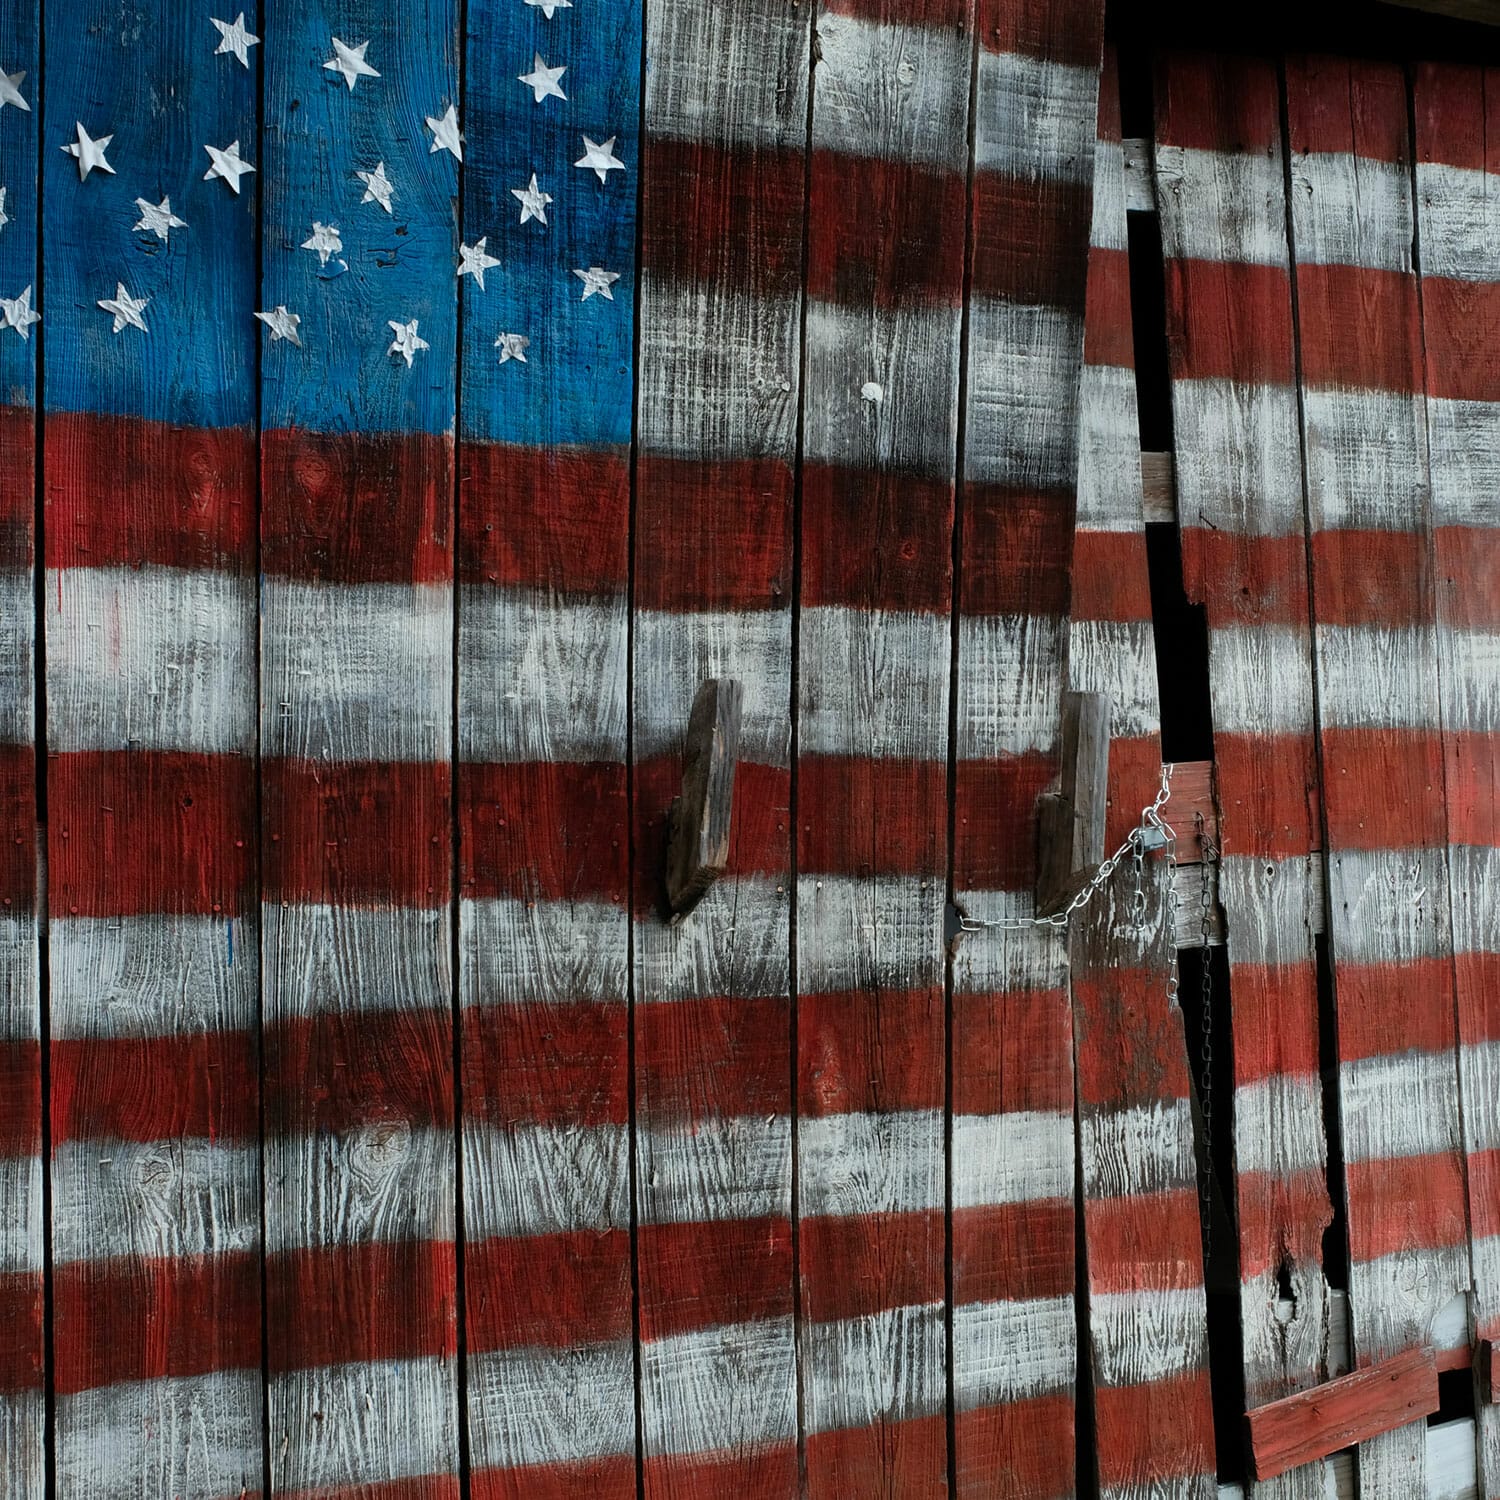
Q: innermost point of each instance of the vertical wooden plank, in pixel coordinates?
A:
(356, 696)
(1219, 184)
(723, 177)
(22, 1226)
(150, 620)
(544, 538)
(1458, 224)
(1012, 1174)
(887, 220)
(1365, 441)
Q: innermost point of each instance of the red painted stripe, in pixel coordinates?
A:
(556, 1291)
(1484, 1194)
(864, 1051)
(1372, 578)
(1030, 239)
(17, 487)
(1245, 580)
(357, 507)
(754, 1473)
(1335, 104)
(701, 1275)
(872, 817)
(866, 1263)
(994, 837)
(1451, 117)
(1279, 1216)
(1017, 548)
(872, 537)
(21, 1304)
(1133, 1050)
(1109, 576)
(20, 1097)
(1473, 789)
(540, 517)
(135, 1319)
(599, 1479)
(1384, 788)
(1478, 977)
(1134, 778)
(1229, 320)
(1109, 338)
(1404, 1204)
(544, 830)
(150, 831)
(156, 1088)
(1268, 794)
(930, 15)
(338, 1303)
(122, 491)
(1145, 1242)
(909, 1459)
(1005, 1251)
(1376, 1016)
(356, 834)
(1461, 326)
(1018, 1047)
(18, 875)
(1468, 574)
(1071, 35)
(1360, 328)
(738, 1045)
(1217, 103)
(1275, 1020)
(1023, 1450)
(1153, 1432)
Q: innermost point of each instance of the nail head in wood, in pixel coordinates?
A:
(699, 820)
(1070, 821)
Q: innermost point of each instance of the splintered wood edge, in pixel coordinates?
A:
(700, 819)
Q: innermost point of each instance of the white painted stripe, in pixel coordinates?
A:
(718, 371)
(1261, 680)
(192, 1436)
(1026, 963)
(1399, 1106)
(901, 92)
(1480, 1062)
(1366, 460)
(153, 975)
(17, 636)
(910, 350)
(543, 676)
(1395, 1300)
(1272, 907)
(154, 1200)
(521, 952)
(1393, 905)
(533, 1179)
(1465, 439)
(1476, 897)
(1239, 456)
(722, 1167)
(1402, 660)
(1013, 1351)
(1035, 120)
(1111, 186)
(347, 1426)
(1459, 213)
(740, 946)
(1117, 657)
(1022, 418)
(20, 1013)
(1221, 205)
(887, 1366)
(326, 960)
(1009, 684)
(356, 672)
(873, 932)
(1278, 1125)
(22, 1443)
(1286, 1339)
(1486, 1252)
(21, 1220)
(1471, 679)
(1109, 451)
(381, 1181)
(874, 683)
(1351, 211)
(150, 659)
(1143, 1336)
(675, 652)
(542, 1406)
(719, 1387)
(853, 1165)
(1018, 1157)
(1145, 1148)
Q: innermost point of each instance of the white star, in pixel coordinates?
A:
(533, 201)
(445, 136)
(549, 7)
(513, 345)
(474, 260)
(10, 91)
(283, 324)
(406, 343)
(4, 217)
(542, 80)
(235, 37)
(127, 309)
(158, 218)
(227, 164)
(601, 158)
(378, 187)
(350, 61)
(597, 279)
(15, 312)
(90, 153)
(325, 240)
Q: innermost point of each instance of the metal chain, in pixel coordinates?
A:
(1206, 1079)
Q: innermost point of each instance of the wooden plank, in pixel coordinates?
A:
(886, 231)
(1458, 228)
(1240, 506)
(150, 622)
(699, 820)
(1315, 1423)
(1160, 481)
(544, 506)
(723, 175)
(1070, 821)
(1011, 1037)
(23, 1226)
(356, 739)
(1359, 338)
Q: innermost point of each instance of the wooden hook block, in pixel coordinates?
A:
(698, 823)
(1070, 821)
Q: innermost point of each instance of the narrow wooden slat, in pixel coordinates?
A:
(22, 1224)
(723, 171)
(356, 729)
(150, 623)
(544, 842)
(1359, 339)
(1240, 506)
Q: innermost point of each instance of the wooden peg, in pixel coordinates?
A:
(1070, 821)
(699, 819)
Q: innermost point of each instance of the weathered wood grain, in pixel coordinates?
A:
(356, 729)
(699, 819)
